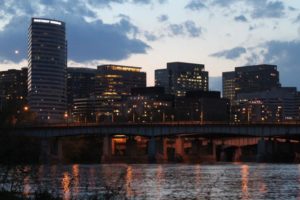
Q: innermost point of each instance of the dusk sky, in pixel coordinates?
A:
(221, 34)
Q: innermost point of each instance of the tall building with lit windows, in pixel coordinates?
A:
(250, 79)
(273, 106)
(13, 89)
(228, 85)
(180, 77)
(112, 83)
(47, 60)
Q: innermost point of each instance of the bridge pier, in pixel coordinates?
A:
(237, 154)
(106, 149)
(131, 148)
(51, 151)
(179, 149)
(274, 151)
(152, 149)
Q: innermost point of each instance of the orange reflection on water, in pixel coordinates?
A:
(26, 181)
(245, 176)
(75, 171)
(27, 188)
(197, 176)
(129, 191)
(66, 182)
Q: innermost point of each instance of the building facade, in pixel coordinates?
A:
(228, 85)
(148, 104)
(248, 79)
(113, 82)
(180, 77)
(47, 59)
(80, 91)
(202, 106)
(13, 89)
(271, 106)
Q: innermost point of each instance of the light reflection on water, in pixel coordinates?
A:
(170, 181)
(245, 174)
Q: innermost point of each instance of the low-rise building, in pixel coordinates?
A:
(202, 106)
(148, 104)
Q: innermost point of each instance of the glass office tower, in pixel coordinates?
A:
(47, 60)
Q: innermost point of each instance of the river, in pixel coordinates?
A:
(166, 181)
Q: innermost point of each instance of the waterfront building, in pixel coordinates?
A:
(80, 88)
(47, 59)
(275, 105)
(13, 89)
(202, 106)
(148, 104)
(112, 83)
(180, 77)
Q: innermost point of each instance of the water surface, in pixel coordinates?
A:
(168, 181)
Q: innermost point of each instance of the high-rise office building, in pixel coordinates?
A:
(80, 84)
(228, 85)
(256, 78)
(112, 83)
(180, 77)
(250, 79)
(47, 59)
(162, 79)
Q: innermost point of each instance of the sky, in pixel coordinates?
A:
(221, 34)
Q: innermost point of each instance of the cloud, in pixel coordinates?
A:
(176, 29)
(195, 5)
(240, 18)
(223, 3)
(192, 29)
(86, 40)
(231, 53)
(150, 36)
(188, 28)
(297, 19)
(12, 38)
(266, 9)
(285, 54)
(258, 8)
(145, 2)
(142, 1)
(97, 40)
(162, 18)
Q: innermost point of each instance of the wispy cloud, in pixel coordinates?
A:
(162, 18)
(195, 5)
(188, 28)
(230, 53)
(240, 18)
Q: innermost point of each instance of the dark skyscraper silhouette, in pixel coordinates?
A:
(47, 59)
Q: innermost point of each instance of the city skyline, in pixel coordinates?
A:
(158, 32)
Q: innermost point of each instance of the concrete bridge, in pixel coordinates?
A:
(161, 142)
(161, 129)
